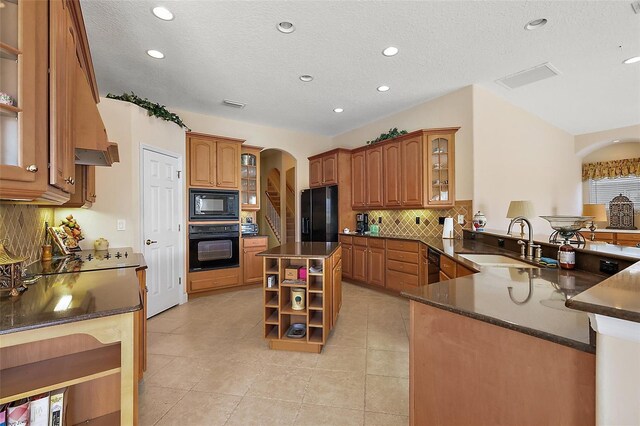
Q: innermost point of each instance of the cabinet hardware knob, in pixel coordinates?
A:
(245, 251)
(149, 242)
(32, 168)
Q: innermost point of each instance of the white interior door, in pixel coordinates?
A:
(161, 220)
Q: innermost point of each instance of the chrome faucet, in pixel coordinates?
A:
(529, 245)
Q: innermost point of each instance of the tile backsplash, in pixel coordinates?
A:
(22, 229)
(403, 222)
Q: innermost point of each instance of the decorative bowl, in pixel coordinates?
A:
(567, 224)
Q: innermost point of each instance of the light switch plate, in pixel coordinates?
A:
(121, 225)
(461, 219)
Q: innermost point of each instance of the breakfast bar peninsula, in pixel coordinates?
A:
(302, 294)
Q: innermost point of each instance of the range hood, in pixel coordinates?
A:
(94, 157)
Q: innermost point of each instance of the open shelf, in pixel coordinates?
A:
(287, 310)
(273, 302)
(315, 287)
(315, 335)
(271, 332)
(294, 283)
(315, 319)
(273, 317)
(315, 301)
(106, 420)
(272, 271)
(55, 373)
(9, 110)
(10, 50)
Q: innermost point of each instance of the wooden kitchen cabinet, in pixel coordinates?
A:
(392, 176)
(360, 264)
(215, 279)
(214, 161)
(330, 169)
(336, 290)
(412, 176)
(325, 170)
(358, 180)
(315, 172)
(374, 184)
(250, 179)
(441, 172)
(376, 264)
(85, 193)
(252, 264)
(347, 255)
(46, 65)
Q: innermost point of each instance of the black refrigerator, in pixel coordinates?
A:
(319, 212)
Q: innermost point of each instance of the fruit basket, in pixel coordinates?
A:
(567, 228)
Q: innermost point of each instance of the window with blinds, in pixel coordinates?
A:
(602, 191)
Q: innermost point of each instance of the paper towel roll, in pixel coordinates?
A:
(447, 229)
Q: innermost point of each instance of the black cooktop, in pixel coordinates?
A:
(86, 260)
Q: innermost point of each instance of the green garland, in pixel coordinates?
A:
(393, 133)
(153, 109)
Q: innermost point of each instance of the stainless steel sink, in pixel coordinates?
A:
(496, 260)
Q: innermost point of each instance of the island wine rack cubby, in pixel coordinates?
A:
(317, 313)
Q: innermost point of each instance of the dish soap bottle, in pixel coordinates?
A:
(567, 256)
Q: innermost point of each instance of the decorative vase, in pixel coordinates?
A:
(479, 221)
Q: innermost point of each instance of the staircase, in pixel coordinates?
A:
(272, 215)
(290, 214)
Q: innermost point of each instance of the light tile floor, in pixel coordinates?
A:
(208, 364)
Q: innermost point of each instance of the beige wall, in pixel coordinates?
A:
(451, 110)
(118, 187)
(590, 142)
(615, 151)
(517, 156)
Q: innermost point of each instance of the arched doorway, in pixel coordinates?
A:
(276, 217)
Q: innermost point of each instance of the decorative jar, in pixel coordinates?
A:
(479, 221)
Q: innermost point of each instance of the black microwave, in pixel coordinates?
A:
(213, 204)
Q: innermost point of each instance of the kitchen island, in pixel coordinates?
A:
(80, 331)
(502, 342)
(312, 273)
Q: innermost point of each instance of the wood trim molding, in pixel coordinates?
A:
(216, 137)
(336, 150)
(75, 10)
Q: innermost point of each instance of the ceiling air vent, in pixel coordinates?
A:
(522, 78)
(233, 104)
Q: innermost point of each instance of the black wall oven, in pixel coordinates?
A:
(214, 247)
(213, 204)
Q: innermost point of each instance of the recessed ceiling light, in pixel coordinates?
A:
(286, 27)
(306, 78)
(631, 60)
(383, 88)
(338, 110)
(616, 141)
(155, 54)
(162, 13)
(390, 51)
(535, 24)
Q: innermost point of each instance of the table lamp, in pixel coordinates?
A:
(599, 213)
(520, 208)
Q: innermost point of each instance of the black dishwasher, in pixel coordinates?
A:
(433, 266)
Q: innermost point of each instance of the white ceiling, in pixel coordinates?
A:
(232, 50)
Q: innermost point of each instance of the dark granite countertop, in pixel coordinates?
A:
(527, 300)
(88, 260)
(304, 249)
(64, 298)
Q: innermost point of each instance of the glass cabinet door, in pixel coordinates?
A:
(441, 172)
(249, 177)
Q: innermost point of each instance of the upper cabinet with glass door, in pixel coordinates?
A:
(441, 173)
(250, 178)
(23, 99)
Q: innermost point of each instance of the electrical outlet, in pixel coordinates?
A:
(121, 225)
(417, 220)
(379, 219)
(460, 219)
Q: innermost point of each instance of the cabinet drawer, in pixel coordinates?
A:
(376, 242)
(409, 268)
(402, 256)
(254, 242)
(337, 255)
(602, 236)
(443, 276)
(400, 281)
(448, 266)
(212, 280)
(360, 241)
(403, 245)
(345, 239)
(628, 237)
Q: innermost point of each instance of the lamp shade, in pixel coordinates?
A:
(520, 208)
(598, 211)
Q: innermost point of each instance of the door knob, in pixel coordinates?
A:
(149, 242)
(32, 168)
